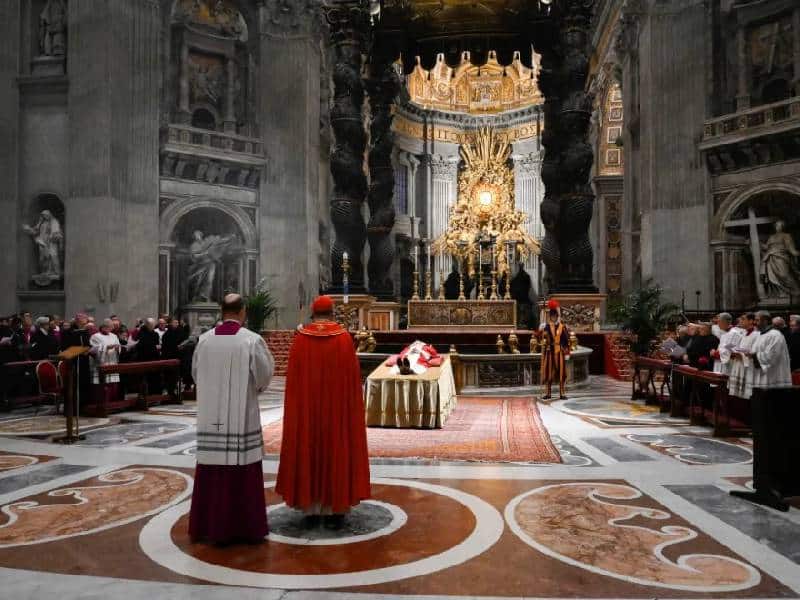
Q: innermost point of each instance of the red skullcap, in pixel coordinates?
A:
(553, 304)
(322, 305)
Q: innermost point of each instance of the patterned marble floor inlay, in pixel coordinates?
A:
(617, 413)
(760, 523)
(695, 449)
(45, 425)
(467, 527)
(637, 508)
(570, 455)
(593, 526)
(126, 433)
(109, 500)
(616, 450)
(47, 473)
(11, 462)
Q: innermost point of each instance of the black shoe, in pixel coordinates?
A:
(547, 397)
(334, 522)
(562, 397)
(311, 521)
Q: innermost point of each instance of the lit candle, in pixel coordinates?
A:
(345, 256)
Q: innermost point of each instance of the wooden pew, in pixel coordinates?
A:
(647, 389)
(704, 385)
(139, 370)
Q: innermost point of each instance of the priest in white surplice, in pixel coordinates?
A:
(231, 365)
(730, 338)
(770, 354)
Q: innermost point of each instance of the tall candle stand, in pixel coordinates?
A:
(428, 290)
(415, 295)
(462, 265)
(441, 284)
(345, 278)
(509, 258)
(494, 285)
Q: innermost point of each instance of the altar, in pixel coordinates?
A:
(461, 314)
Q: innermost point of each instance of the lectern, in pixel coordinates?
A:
(71, 403)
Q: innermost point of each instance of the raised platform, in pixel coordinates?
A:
(458, 315)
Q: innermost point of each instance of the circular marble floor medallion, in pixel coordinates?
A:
(369, 520)
(157, 543)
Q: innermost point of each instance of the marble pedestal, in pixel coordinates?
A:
(201, 316)
(47, 66)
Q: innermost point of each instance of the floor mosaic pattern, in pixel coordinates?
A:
(638, 507)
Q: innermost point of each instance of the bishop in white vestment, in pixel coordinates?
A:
(730, 338)
(230, 366)
(105, 350)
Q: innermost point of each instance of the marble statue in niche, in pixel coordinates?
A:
(53, 29)
(207, 82)
(206, 253)
(49, 240)
(779, 264)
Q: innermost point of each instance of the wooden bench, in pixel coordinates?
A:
(705, 386)
(647, 389)
(140, 371)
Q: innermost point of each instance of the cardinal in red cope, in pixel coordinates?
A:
(324, 465)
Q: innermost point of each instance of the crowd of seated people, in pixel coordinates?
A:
(24, 338)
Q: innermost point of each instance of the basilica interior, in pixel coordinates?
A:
(447, 171)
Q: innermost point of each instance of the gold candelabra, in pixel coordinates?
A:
(416, 285)
(441, 285)
(461, 295)
(507, 295)
(494, 286)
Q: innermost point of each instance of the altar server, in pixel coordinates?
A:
(770, 355)
(230, 366)
(324, 466)
(740, 379)
(555, 351)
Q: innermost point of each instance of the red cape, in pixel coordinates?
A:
(324, 456)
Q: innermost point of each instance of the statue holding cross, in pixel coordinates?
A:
(774, 262)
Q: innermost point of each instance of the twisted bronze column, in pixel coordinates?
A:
(566, 210)
(349, 31)
(383, 86)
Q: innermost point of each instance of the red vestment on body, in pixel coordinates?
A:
(324, 466)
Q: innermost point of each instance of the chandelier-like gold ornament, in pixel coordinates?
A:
(485, 212)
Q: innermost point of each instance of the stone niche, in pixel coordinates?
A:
(756, 260)
(48, 26)
(207, 256)
(211, 69)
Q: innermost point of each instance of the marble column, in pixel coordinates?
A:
(229, 120)
(444, 189)
(349, 29)
(10, 48)
(288, 92)
(796, 49)
(528, 193)
(743, 70)
(114, 67)
(383, 86)
(184, 116)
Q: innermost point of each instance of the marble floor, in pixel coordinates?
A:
(638, 508)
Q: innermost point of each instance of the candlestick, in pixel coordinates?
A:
(441, 284)
(480, 271)
(416, 285)
(494, 285)
(428, 296)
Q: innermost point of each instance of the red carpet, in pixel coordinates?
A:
(479, 429)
